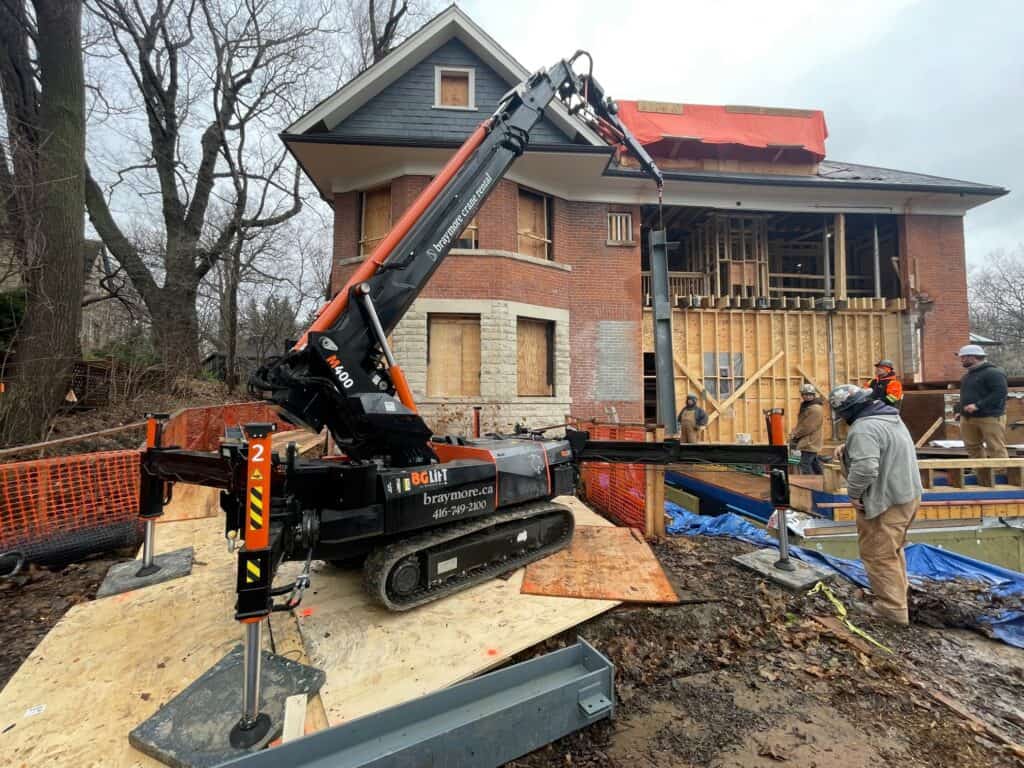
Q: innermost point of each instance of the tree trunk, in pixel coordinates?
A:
(232, 276)
(47, 344)
(176, 328)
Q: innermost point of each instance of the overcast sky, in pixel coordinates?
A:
(932, 86)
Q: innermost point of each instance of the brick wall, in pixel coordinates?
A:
(934, 263)
(606, 311)
(597, 284)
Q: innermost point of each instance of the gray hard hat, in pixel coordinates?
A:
(808, 389)
(692, 396)
(847, 396)
(884, 363)
(972, 350)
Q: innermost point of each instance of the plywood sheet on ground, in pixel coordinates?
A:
(602, 563)
(110, 664)
(376, 659)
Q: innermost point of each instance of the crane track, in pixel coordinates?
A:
(379, 563)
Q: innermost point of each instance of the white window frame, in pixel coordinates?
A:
(438, 71)
(628, 219)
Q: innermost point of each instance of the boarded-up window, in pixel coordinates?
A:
(454, 88)
(376, 219)
(470, 236)
(534, 219)
(535, 359)
(453, 355)
(620, 228)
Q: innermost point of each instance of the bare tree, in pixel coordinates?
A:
(372, 28)
(41, 188)
(290, 261)
(214, 79)
(996, 300)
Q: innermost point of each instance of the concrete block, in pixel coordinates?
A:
(802, 577)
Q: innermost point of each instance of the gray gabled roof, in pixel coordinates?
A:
(833, 174)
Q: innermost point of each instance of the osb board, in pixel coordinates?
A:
(109, 664)
(861, 338)
(602, 563)
(376, 659)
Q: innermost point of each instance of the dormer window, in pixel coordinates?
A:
(454, 88)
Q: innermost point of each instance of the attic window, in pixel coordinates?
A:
(454, 88)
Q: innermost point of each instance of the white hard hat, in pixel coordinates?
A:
(973, 350)
(808, 389)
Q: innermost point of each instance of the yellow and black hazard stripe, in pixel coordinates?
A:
(256, 508)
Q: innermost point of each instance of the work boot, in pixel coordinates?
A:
(889, 617)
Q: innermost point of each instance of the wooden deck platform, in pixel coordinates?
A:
(723, 487)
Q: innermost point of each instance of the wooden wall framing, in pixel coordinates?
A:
(758, 336)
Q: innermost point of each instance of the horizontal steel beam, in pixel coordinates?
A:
(481, 723)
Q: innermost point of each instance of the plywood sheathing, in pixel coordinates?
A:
(861, 338)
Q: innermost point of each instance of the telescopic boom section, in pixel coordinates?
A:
(341, 373)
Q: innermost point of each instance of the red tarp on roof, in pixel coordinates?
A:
(757, 127)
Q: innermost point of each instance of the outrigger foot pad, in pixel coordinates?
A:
(198, 728)
(124, 577)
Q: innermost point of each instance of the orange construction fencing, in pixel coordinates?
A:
(65, 508)
(616, 490)
(200, 429)
(61, 509)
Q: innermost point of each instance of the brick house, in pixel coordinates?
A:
(785, 266)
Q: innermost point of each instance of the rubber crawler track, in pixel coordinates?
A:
(380, 562)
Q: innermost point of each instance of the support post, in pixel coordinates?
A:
(780, 500)
(825, 255)
(662, 315)
(831, 341)
(877, 261)
(840, 251)
(152, 496)
(254, 583)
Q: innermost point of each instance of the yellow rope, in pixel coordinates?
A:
(841, 610)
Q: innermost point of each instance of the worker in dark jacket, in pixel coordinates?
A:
(692, 419)
(885, 386)
(982, 405)
(808, 435)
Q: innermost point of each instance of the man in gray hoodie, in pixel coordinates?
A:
(884, 486)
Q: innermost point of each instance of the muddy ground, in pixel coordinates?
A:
(740, 675)
(35, 600)
(748, 678)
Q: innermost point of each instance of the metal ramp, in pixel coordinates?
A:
(481, 723)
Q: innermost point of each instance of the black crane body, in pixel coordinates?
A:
(427, 515)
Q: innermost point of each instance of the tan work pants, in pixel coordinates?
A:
(688, 433)
(881, 542)
(984, 436)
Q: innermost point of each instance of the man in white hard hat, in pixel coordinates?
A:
(884, 485)
(982, 405)
(808, 435)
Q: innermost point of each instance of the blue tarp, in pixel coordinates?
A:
(924, 562)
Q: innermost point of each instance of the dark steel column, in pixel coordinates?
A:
(662, 314)
(877, 264)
